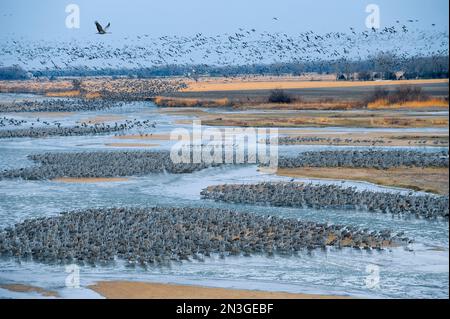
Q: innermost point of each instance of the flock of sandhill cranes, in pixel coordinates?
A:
(246, 46)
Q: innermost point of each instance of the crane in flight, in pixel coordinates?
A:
(100, 29)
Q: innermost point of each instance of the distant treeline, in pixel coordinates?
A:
(382, 66)
(14, 72)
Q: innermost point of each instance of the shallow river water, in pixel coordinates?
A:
(417, 271)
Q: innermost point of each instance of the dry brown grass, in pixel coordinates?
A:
(70, 93)
(34, 86)
(430, 103)
(310, 118)
(190, 102)
(93, 95)
(271, 120)
(240, 85)
(257, 104)
(434, 180)
(302, 105)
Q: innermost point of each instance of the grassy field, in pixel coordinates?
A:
(221, 84)
(431, 103)
(311, 119)
(245, 94)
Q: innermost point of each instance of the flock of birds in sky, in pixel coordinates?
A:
(246, 46)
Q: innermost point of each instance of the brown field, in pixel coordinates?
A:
(256, 103)
(71, 93)
(398, 118)
(260, 103)
(347, 119)
(221, 84)
(433, 180)
(28, 288)
(365, 139)
(190, 102)
(252, 93)
(431, 103)
(143, 290)
(36, 86)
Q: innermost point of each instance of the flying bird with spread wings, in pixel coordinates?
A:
(100, 29)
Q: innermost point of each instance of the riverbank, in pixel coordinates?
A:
(145, 290)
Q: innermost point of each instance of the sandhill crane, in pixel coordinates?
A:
(100, 29)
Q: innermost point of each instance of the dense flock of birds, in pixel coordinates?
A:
(138, 163)
(299, 140)
(245, 46)
(330, 197)
(44, 128)
(371, 158)
(55, 129)
(59, 105)
(101, 164)
(147, 236)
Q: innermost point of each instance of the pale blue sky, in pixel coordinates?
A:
(45, 19)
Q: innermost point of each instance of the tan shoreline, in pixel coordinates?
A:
(27, 288)
(89, 179)
(434, 180)
(144, 290)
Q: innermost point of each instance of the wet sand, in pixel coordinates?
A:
(434, 180)
(144, 290)
(89, 179)
(27, 289)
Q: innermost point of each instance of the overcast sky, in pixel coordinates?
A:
(45, 19)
